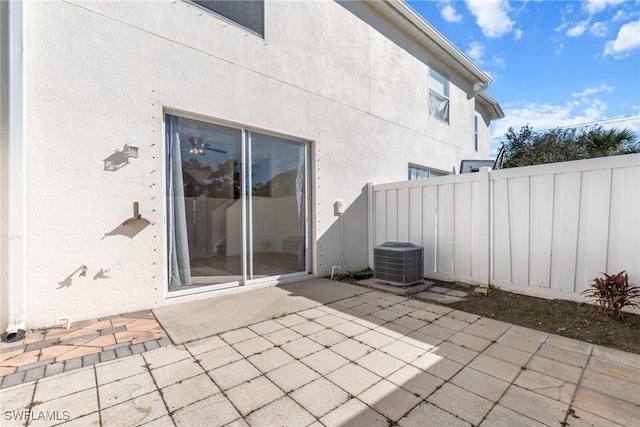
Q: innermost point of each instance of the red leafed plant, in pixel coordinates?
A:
(612, 293)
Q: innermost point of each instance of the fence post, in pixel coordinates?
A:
(371, 226)
(484, 224)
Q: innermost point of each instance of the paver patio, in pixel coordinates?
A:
(340, 364)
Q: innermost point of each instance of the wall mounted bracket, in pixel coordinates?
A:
(136, 214)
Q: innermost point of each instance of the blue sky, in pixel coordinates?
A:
(553, 63)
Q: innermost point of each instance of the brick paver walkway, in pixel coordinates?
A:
(47, 352)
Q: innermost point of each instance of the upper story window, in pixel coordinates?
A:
(438, 95)
(421, 172)
(247, 13)
(475, 131)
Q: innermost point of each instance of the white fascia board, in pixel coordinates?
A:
(496, 110)
(412, 18)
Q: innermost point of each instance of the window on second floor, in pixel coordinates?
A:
(421, 172)
(438, 95)
(247, 13)
(475, 131)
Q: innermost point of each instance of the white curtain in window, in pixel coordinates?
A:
(438, 106)
(300, 200)
(179, 267)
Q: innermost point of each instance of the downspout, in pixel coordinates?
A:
(480, 87)
(16, 191)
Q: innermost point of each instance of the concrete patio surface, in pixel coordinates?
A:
(373, 359)
(223, 313)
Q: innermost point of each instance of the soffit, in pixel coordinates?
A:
(401, 14)
(494, 109)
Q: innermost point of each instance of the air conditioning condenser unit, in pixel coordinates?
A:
(398, 263)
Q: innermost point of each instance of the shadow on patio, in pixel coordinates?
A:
(348, 355)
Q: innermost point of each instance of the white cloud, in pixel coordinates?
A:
(599, 29)
(628, 39)
(491, 16)
(548, 116)
(595, 110)
(578, 29)
(476, 51)
(561, 27)
(494, 76)
(449, 12)
(582, 109)
(592, 91)
(564, 12)
(498, 62)
(620, 15)
(595, 6)
(517, 34)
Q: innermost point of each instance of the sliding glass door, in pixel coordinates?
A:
(237, 205)
(276, 206)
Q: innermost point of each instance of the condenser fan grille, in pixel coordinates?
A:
(398, 263)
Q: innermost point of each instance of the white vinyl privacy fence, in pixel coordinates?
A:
(543, 230)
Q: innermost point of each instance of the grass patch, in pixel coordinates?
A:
(278, 316)
(353, 277)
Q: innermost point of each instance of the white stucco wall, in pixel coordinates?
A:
(484, 131)
(101, 74)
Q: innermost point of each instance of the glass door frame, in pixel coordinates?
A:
(247, 210)
(246, 206)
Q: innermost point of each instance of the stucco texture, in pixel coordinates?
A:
(102, 74)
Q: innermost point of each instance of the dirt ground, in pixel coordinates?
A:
(580, 321)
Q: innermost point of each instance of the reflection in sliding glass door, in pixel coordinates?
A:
(237, 209)
(204, 203)
(276, 177)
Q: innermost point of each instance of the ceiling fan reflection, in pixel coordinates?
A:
(198, 146)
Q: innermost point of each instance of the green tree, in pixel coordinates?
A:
(201, 179)
(528, 147)
(610, 142)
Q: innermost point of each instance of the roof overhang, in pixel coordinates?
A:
(492, 106)
(407, 19)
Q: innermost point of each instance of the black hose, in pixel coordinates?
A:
(13, 336)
